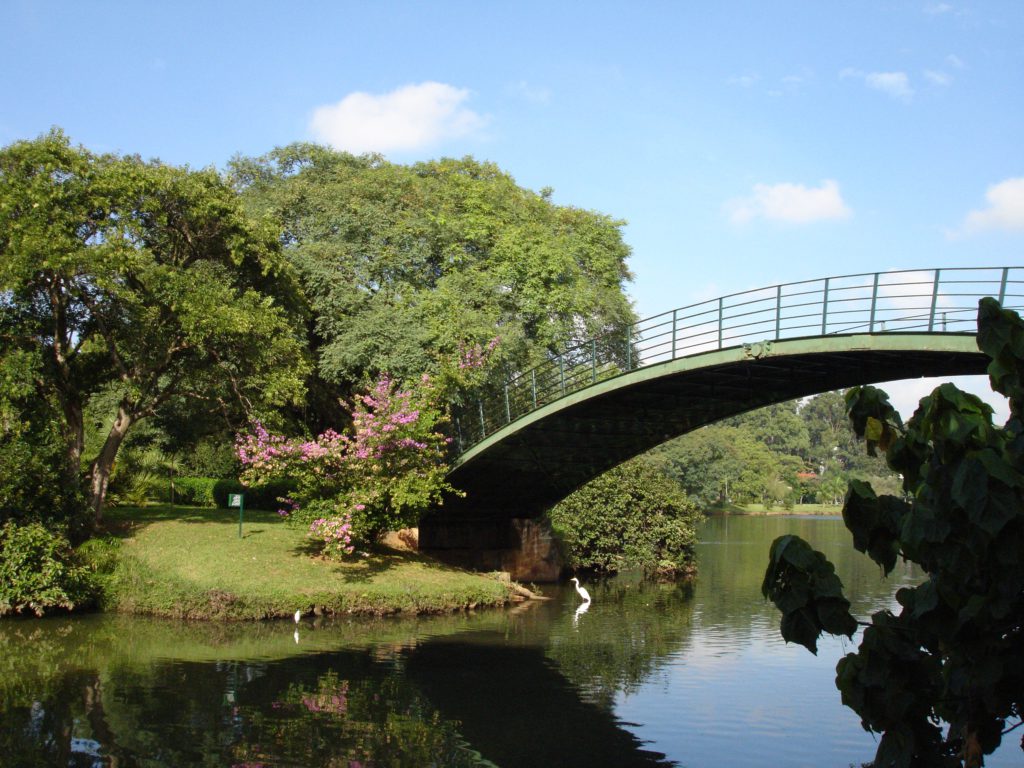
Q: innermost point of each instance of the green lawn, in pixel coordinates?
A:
(189, 562)
(797, 509)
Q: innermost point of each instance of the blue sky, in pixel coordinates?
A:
(745, 143)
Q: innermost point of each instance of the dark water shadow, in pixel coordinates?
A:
(515, 707)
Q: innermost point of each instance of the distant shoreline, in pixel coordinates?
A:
(758, 510)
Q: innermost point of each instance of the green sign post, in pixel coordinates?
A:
(238, 500)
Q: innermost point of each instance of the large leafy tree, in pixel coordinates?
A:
(142, 278)
(717, 463)
(955, 651)
(408, 266)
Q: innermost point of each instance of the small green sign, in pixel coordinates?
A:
(236, 500)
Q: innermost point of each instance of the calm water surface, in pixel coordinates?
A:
(648, 676)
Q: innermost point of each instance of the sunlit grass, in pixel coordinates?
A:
(190, 562)
(796, 509)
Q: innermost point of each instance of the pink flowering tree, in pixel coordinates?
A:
(351, 488)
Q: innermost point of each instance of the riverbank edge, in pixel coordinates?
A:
(759, 510)
(148, 563)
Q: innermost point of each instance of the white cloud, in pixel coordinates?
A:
(895, 84)
(792, 203)
(955, 61)
(937, 78)
(532, 93)
(408, 118)
(1005, 208)
(937, 9)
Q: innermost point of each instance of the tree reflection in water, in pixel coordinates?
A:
(511, 688)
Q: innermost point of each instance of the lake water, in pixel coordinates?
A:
(649, 675)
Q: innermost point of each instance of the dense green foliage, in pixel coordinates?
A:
(149, 312)
(38, 571)
(407, 267)
(140, 279)
(788, 453)
(955, 651)
(632, 516)
(31, 449)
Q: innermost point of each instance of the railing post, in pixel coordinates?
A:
(483, 424)
(874, 303)
(593, 361)
(533, 386)
(629, 349)
(561, 372)
(674, 320)
(720, 315)
(508, 408)
(824, 310)
(935, 299)
(1002, 285)
(778, 310)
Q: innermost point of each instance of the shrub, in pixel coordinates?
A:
(261, 496)
(632, 516)
(101, 556)
(39, 571)
(384, 475)
(196, 491)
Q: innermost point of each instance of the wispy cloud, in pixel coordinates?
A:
(937, 77)
(793, 203)
(1005, 209)
(744, 81)
(408, 118)
(955, 61)
(938, 9)
(532, 93)
(894, 84)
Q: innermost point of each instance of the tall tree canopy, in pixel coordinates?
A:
(407, 266)
(141, 277)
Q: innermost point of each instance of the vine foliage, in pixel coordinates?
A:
(942, 679)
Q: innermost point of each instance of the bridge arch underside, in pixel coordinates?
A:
(539, 459)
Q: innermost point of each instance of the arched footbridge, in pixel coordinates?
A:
(549, 430)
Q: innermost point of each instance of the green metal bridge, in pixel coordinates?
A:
(549, 430)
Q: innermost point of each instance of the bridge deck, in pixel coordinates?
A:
(538, 459)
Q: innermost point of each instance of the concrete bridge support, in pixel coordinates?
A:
(524, 547)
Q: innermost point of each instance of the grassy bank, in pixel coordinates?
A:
(777, 509)
(190, 563)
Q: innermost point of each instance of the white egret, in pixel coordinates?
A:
(298, 615)
(581, 590)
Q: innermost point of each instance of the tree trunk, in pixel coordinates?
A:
(74, 436)
(99, 475)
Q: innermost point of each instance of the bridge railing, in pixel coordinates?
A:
(905, 301)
